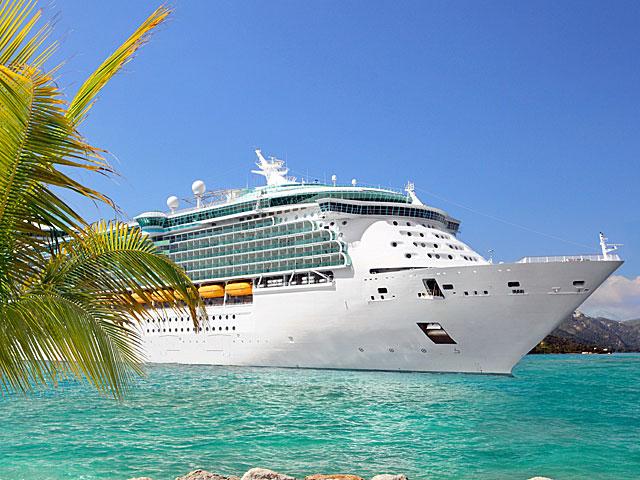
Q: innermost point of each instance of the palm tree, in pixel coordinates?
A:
(69, 291)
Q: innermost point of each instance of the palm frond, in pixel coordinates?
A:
(66, 308)
(86, 95)
(45, 336)
(111, 261)
(18, 43)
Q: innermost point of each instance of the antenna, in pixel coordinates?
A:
(198, 188)
(490, 252)
(334, 179)
(410, 188)
(274, 170)
(607, 248)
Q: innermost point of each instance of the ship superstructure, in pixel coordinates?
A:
(299, 274)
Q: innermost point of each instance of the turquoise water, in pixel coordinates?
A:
(565, 417)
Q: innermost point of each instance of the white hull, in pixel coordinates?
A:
(337, 324)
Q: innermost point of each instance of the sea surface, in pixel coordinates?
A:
(561, 416)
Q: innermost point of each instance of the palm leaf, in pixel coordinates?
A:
(89, 282)
(66, 308)
(46, 335)
(18, 44)
(86, 95)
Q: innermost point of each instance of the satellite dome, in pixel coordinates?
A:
(173, 202)
(198, 187)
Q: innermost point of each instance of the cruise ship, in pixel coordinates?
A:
(318, 275)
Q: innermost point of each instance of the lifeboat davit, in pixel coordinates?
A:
(239, 289)
(211, 291)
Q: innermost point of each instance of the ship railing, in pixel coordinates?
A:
(569, 258)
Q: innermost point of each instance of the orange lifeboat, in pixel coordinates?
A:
(238, 289)
(211, 291)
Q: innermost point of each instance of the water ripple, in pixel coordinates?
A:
(567, 417)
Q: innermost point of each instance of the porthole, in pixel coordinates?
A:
(435, 245)
(421, 234)
(408, 255)
(344, 222)
(450, 257)
(408, 224)
(226, 328)
(233, 328)
(437, 255)
(395, 223)
(233, 316)
(394, 244)
(429, 255)
(408, 234)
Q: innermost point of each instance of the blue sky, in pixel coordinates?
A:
(528, 112)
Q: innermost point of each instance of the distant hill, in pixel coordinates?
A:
(581, 333)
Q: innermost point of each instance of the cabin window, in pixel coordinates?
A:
(436, 333)
(382, 290)
(447, 286)
(578, 283)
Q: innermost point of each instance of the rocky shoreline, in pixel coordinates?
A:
(265, 474)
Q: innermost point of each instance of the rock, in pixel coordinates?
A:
(265, 474)
(335, 476)
(204, 475)
(388, 476)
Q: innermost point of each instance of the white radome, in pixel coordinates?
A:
(198, 187)
(173, 203)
